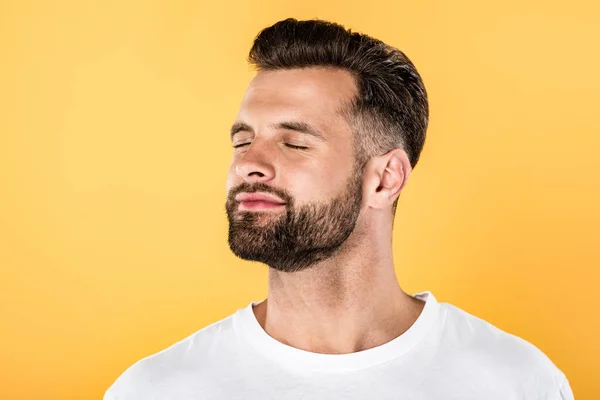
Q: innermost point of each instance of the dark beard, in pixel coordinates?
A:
(297, 238)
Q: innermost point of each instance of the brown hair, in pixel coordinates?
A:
(390, 110)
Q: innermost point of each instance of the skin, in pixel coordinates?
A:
(332, 283)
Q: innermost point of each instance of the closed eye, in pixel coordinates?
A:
(296, 147)
(287, 144)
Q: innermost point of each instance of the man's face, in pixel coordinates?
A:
(319, 185)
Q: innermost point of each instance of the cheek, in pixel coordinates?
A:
(309, 187)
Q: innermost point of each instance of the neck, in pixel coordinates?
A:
(348, 303)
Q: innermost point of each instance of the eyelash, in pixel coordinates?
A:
(287, 144)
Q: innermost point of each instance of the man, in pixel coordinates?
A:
(325, 139)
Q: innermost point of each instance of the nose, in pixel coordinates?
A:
(253, 165)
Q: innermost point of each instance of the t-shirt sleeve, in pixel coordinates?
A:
(565, 392)
(108, 396)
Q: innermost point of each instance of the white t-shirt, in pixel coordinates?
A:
(446, 354)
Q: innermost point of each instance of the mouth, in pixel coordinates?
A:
(259, 205)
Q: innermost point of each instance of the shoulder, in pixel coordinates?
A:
(173, 363)
(500, 355)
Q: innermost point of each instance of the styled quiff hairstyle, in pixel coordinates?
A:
(390, 109)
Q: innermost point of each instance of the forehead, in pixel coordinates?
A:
(314, 95)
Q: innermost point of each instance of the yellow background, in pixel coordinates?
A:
(114, 149)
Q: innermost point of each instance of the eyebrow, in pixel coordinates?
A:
(297, 126)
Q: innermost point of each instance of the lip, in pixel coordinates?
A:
(259, 205)
(262, 198)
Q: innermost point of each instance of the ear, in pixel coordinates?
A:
(386, 177)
